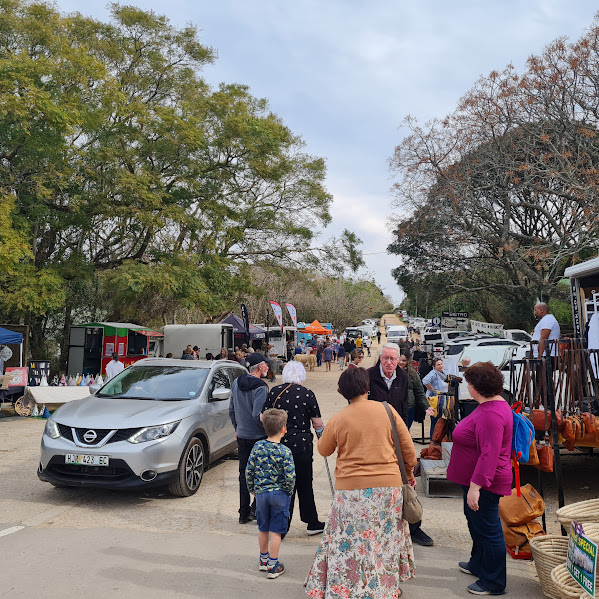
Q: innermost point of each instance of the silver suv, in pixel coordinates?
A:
(159, 422)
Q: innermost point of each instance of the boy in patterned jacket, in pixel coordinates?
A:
(270, 475)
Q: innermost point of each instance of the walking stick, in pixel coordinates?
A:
(326, 463)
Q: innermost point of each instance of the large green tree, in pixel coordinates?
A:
(137, 191)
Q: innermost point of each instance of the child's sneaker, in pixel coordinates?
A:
(276, 571)
(263, 563)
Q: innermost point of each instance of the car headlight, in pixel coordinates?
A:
(52, 430)
(151, 433)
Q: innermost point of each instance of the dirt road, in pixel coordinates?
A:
(62, 542)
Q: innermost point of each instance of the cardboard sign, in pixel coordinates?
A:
(19, 377)
(454, 320)
(582, 558)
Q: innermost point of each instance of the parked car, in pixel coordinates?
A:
(438, 339)
(159, 422)
(461, 346)
(397, 333)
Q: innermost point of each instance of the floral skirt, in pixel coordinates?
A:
(366, 548)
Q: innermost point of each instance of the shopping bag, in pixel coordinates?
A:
(517, 538)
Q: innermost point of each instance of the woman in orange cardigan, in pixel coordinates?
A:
(366, 549)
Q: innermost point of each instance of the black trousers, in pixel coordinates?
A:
(244, 449)
(303, 488)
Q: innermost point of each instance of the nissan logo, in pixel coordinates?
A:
(90, 436)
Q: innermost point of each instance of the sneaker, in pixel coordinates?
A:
(262, 565)
(421, 538)
(276, 571)
(463, 566)
(315, 529)
(476, 589)
(244, 519)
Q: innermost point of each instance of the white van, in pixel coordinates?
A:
(210, 338)
(397, 334)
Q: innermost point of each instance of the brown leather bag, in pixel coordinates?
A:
(541, 420)
(568, 434)
(440, 431)
(514, 510)
(517, 537)
(432, 452)
(545, 455)
(533, 458)
(588, 420)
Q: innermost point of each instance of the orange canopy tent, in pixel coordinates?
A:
(316, 329)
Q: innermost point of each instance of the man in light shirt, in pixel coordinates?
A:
(114, 366)
(547, 329)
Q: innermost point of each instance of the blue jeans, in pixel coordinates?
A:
(487, 559)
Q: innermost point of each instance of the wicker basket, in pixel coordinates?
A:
(547, 552)
(582, 511)
(591, 530)
(563, 581)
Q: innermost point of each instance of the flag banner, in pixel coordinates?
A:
(293, 313)
(276, 308)
(246, 319)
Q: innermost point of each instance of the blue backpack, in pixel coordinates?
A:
(522, 438)
(523, 434)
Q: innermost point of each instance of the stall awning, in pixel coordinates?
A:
(7, 336)
(316, 329)
(239, 327)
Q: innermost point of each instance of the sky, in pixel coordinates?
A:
(344, 74)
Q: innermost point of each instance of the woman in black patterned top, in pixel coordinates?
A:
(302, 413)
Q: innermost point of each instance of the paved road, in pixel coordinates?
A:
(70, 542)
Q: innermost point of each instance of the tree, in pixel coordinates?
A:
(503, 192)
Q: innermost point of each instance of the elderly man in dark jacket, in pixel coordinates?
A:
(389, 382)
(248, 395)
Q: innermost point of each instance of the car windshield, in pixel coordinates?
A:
(521, 337)
(454, 350)
(156, 382)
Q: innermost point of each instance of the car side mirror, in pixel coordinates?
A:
(94, 388)
(220, 394)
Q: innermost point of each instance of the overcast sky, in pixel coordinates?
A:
(344, 73)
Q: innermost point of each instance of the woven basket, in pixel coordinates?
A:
(548, 552)
(582, 511)
(563, 581)
(591, 530)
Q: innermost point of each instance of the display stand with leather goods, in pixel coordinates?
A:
(560, 396)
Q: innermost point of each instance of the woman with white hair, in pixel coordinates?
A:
(302, 413)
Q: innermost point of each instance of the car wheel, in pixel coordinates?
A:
(191, 470)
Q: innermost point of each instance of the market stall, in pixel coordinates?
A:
(256, 334)
(91, 345)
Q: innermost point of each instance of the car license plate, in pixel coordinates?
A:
(86, 460)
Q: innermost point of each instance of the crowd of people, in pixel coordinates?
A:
(366, 548)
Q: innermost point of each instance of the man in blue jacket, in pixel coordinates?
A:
(248, 395)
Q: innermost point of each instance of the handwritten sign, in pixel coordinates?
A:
(582, 558)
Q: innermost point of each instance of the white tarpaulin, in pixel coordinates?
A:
(492, 328)
(56, 395)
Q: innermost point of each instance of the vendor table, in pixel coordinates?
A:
(10, 395)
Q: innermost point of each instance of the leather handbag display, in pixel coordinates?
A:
(541, 420)
(514, 510)
(533, 457)
(545, 455)
(412, 508)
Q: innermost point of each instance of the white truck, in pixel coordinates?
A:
(279, 338)
(210, 338)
